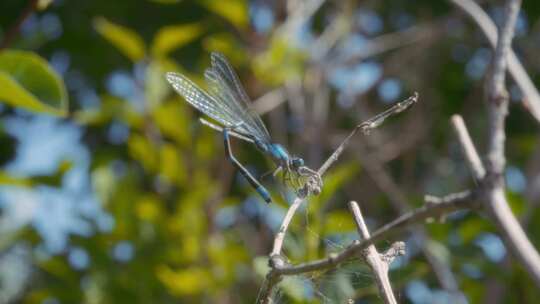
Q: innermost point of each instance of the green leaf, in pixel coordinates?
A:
(227, 44)
(127, 41)
(43, 4)
(234, 11)
(280, 62)
(27, 81)
(338, 221)
(333, 181)
(8, 179)
(54, 180)
(172, 37)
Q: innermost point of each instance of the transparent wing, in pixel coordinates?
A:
(228, 103)
(205, 103)
(236, 95)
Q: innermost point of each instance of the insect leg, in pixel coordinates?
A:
(254, 183)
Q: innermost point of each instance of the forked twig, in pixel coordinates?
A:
(366, 127)
(379, 263)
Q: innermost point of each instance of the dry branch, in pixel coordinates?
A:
(378, 263)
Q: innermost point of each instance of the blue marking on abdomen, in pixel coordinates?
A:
(279, 152)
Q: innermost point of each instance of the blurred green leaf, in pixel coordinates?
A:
(111, 108)
(8, 179)
(471, 228)
(27, 81)
(173, 120)
(127, 41)
(227, 44)
(280, 62)
(43, 4)
(54, 179)
(173, 168)
(338, 221)
(188, 281)
(517, 202)
(142, 150)
(293, 286)
(172, 37)
(333, 180)
(156, 87)
(439, 250)
(260, 264)
(234, 11)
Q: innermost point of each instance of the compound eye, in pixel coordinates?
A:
(298, 162)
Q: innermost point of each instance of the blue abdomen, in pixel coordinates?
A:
(279, 153)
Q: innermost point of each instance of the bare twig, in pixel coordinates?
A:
(276, 259)
(377, 262)
(531, 98)
(280, 236)
(497, 96)
(467, 147)
(269, 101)
(458, 201)
(366, 127)
(387, 42)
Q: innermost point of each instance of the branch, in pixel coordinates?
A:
(500, 213)
(497, 96)
(280, 236)
(378, 263)
(467, 147)
(387, 42)
(276, 259)
(432, 209)
(398, 200)
(366, 127)
(531, 98)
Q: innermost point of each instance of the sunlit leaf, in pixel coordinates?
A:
(234, 11)
(280, 62)
(8, 179)
(173, 120)
(28, 82)
(182, 282)
(226, 44)
(43, 4)
(148, 208)
(172, 165)
(127, 41)
(143, 150)
(172, 37)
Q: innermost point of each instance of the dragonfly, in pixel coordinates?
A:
(227, 103)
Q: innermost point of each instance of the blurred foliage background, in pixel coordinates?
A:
(112, 192)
